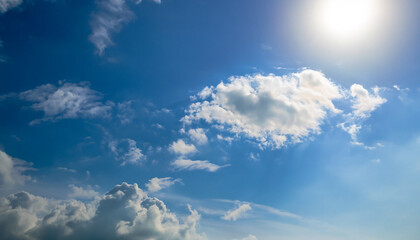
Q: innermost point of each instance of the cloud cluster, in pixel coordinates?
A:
(271, 109)
(109, 18)
(126, 151)
(12, 171)
(235, 214)
(68, 100)
(6, 5)
(157, 184)
(125, 212)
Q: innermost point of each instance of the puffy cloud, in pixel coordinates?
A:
(364, 102)
(157, 184)
(11, 170)
(125, 212)
(198, 135)
(81, 193)
(239, 212)
(271, 109)
(180, 147)
(6, 5)
(69, 100)
(126, 151)
(186, 164)
(109, 18)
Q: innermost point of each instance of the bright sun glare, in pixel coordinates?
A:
(347, 19)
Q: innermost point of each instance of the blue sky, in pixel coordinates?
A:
(209, 119)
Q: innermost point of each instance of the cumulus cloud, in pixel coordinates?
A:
(271, 109)
(126, 151)
(82, 193)
(186, 164)
(6, 5)
(109, 18)
(125, 212)
(157, 184)
(12, 170)
(239, 212)
(180, 147)
(364, 102)
(68, 100)
(198, 135)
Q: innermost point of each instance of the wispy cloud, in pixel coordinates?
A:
(126, 151)
(239, 212)
(157, 184)
(6, 5)
(68, 100)
(108, 19)
(186, 164)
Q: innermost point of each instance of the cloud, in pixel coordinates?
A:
(364, 102)
(109, 18)
(67, 169)
(126, 113)
(186, 164)
(239, 212)
(11, 171)
(6, 5)
(180, 147)
(68, 100)
(125, 212)
(81, 193)
(273, 110)
(250, 237)
(126, 151)
(157, 184)
(198, 135)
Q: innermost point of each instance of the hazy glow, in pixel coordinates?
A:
(347, 19)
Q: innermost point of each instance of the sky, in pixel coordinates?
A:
(196, 120)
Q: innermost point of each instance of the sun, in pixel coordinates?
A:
(347, 19)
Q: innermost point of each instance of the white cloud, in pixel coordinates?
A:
(109, 18)
(125, 112)
(186, 164)
(250, 237)
(125, 212)
(180, 147)
(364, 102)
(66, 101)
(81, 193)
(239, 212)
(271, 109)
(67, 169)
(198, 135)
(11, 171)
(6, 5)
(157, 184)
(126, 151)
